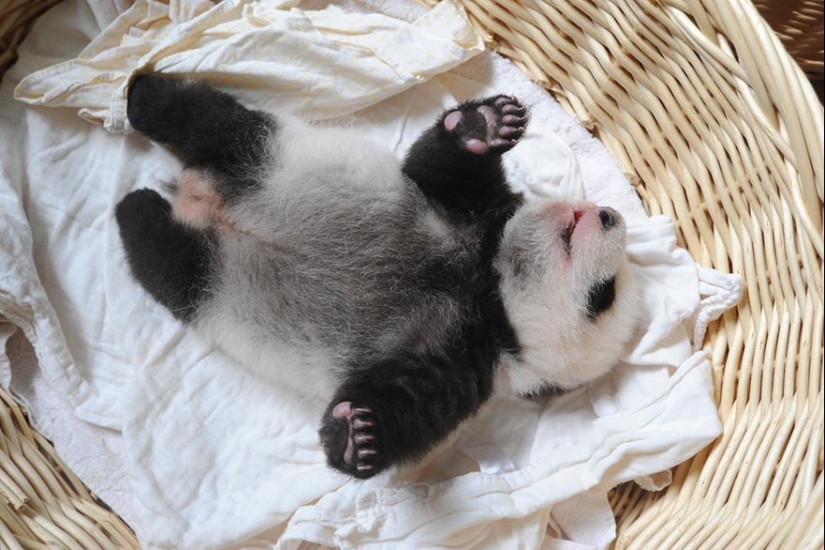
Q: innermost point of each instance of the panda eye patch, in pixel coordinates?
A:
(600, 297)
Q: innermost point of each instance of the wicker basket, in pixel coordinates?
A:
(799, 25)
(716, 126)
(16, 18)
(42, 503)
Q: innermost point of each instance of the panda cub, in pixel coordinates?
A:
(400, 293)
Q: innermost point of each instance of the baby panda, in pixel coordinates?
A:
(401, 293)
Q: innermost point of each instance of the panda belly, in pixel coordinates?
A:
(323, 280)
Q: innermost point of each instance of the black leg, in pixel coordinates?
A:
(207, 128)
(457, 162)
(397, 410)
(170, 260)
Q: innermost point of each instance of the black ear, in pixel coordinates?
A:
(600, 297)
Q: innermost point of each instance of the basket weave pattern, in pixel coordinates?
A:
(799, 25)
(715, 125)
(42, 503)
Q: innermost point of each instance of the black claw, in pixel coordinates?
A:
(514, 109)
(359, 424)
(352, 442)
(509, 132)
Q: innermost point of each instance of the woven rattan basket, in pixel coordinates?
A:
(716, 126)
(798, 23)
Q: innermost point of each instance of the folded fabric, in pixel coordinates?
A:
(320, 64)
(218, 458)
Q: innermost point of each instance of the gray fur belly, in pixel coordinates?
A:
(312, 295)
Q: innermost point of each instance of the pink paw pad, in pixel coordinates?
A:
(493, 126)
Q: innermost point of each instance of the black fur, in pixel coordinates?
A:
(169, 259)
(406, 400)
(600, 297)
(207, 128)
(463, 183)
(545, 391)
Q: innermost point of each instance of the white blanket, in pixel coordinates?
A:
(214, 456)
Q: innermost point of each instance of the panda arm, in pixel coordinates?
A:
(457, 161)
(397, 409)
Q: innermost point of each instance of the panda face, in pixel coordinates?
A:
(568, 293)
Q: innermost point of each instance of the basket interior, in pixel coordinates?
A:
(710, 118)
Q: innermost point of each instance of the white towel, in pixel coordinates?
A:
(217, 458)
(318, 64)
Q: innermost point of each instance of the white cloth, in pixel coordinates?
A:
(214, 456)
(318, 64)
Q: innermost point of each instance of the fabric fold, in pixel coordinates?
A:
(320, 64)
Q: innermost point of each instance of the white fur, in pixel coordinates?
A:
(560, 345)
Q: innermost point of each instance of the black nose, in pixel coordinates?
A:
(608, 217)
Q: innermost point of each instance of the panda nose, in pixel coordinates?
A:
(608, 217)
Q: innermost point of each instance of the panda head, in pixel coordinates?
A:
(568, 293)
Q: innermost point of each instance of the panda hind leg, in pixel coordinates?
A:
(208, 129)
(170, 259)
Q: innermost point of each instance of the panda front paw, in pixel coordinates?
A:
(490, 126)
(350, 436)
